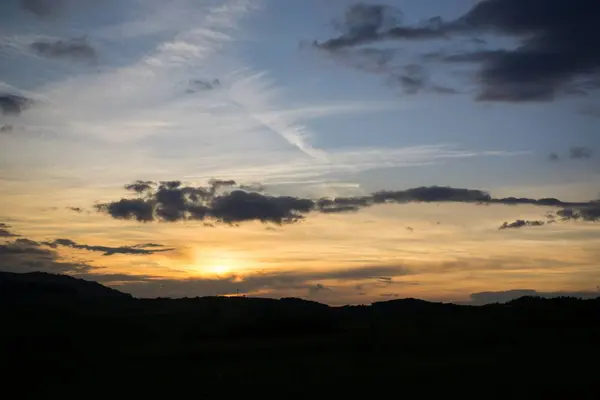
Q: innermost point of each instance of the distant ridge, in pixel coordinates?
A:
(36, 284)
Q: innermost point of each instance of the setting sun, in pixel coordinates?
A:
(220, 269)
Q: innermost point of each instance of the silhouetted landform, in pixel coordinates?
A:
(59, 328)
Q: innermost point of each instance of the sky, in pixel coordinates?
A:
(338, 151)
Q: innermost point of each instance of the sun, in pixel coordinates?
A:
(220, 269)
(216, 263)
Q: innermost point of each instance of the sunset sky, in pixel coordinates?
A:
(269, 148)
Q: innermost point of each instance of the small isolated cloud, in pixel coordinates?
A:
(580, 153)
(201, 84)
(73, 49)
(318, 289)
(520, 224)
(144, 249)
(553, 157)
(78, 210)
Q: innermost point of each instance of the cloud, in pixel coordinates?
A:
(482, 298)
(364, 23)
(108, 251)
(12, 104)
(42, 8)
(171, 201)
(74, 49)
(520, 224)
(580, 153)
(318, 289)
(4, 231)
(558, 50)
(78, 210)
(6, 128)
(25, 255)
(140, 186)
(588, 212)
(432, 194)
(201, 84)
(554, 157)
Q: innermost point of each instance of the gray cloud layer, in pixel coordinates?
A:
(558, 51)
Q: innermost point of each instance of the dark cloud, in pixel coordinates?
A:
(6, 128)
(12, 104)
(109, 251)
(587, 213)
(580, 152)
(139, 209)
(318, 289)
(239, 206)
(554, 157)
(5, 232)
(343, 204)
(25, 255)
(78, 210)
(508, 295)
(171, 201)
(412, 79)
(201, 84)
(146, 245)
(432, 194)
(520, 224)
(42, 8)
(444, 90)
(369, 23)
(558, 51)
(140, 186)
(74, 49)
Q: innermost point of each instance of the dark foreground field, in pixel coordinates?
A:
(60, 334)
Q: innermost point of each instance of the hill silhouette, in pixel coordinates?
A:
(70, 327)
